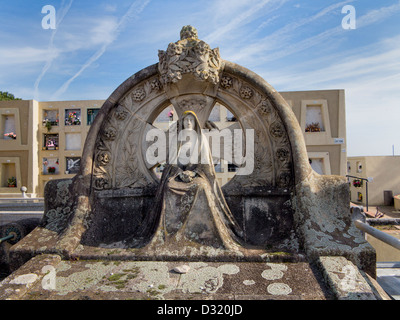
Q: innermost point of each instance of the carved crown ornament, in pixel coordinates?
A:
(189, 56)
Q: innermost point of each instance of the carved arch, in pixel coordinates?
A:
(137, 101)
(121, 132)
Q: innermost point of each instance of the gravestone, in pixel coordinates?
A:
(284, 209)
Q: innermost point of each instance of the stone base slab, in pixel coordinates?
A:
(48, 277)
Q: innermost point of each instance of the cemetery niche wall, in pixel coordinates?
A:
(282, 208)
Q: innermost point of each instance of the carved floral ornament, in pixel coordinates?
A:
(110, 133)
(277, 130)
(283, 154)
(139, 94)
(226, 82)
(189, 55)
(265, 107)
(246, 92)
(121, 113)
(155, 85)
(103, 158)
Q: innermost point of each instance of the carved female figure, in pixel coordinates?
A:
(190, 206)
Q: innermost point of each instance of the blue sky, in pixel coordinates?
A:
(293, 44)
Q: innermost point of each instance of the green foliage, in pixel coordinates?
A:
(5, 96)
(12, 181)
(48, 125)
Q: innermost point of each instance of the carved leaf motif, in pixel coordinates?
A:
(127, 171)
(100, 170)
(236, 85)
(101, 146)
(214, 62)
(256, 98)
(127, 102)
(175, 67)
(101, 178)
(190, 59)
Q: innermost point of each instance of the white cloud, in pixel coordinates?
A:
(134, 10)
(103, 31)
(377, 15)
(283, 39)
(371, 79)
(23, 55)
(349, 70)
(110, 7)
(236, 14)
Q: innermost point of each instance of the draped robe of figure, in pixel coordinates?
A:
(189, 204)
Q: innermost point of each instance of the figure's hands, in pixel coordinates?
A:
(187, 176)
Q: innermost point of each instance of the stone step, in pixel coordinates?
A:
(388, 276)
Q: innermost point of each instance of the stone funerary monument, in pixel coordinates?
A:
(279, 212)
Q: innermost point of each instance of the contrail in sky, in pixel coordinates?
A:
(136, 8)
(52, 52)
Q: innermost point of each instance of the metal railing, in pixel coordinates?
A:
(378, 234)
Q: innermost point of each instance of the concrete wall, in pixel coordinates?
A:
(329, 145)
(384, 252)
(16, 155)
(77, 134)
(384, 171)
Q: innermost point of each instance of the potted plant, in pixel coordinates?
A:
(357, 183)
(48, 125)
(11, 135)
(313, 127)
(51, 170)
(12, 182)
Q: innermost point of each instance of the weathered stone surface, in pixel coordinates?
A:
(19, 283)
(189, 55)
(345, 280)
(324, 222)
(182, 269)
(110, 280)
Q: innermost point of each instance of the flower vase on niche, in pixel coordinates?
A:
(51, 170)
(12, 182)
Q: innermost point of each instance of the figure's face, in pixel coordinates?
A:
(189, 122)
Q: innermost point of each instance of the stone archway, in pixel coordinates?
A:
(283, 205)
(259, 200)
